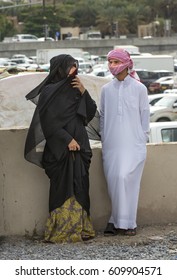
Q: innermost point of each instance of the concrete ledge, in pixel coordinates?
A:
(99, 47)
(24, 188)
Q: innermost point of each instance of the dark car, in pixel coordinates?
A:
(161, 84)
(148, 77)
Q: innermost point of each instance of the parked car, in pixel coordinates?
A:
(44, 67)
(165, 109)
(24, 38)
(163, 73)
(161, 84)
(168, 84)
(147, 77)
(100, 66)
(4, 62)
(173, 90)
(153, 98)
(101, 72)
(43, 39)
(72, 38)
(18, 55)
(85, 67)
(163, 132)
(79, 59)
(25, 64)
(20, 61)
(33, 58)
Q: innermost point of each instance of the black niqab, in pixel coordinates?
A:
(60, 116)
(58, 76)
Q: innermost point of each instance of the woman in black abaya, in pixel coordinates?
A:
(64, 108)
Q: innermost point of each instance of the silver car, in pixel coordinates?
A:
(165, 109)
(24, 38)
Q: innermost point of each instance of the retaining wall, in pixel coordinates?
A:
(24, 187)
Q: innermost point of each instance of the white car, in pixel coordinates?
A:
(101, 72)
(20, 61)
(79, 59)
(19, 56)
(6, 62)
(168, 84)
(25, 64)
(44, 67)
(24, 38)
(72, 38)
(163, 132)
(173, 90)
(165, 109)
(153, 98)
(43, 39)
(85, 67)
(23, 57)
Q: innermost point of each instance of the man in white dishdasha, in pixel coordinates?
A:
(124, 128)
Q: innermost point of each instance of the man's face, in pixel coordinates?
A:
(117, 67)
(114, 62)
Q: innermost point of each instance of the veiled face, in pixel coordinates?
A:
(62, 66)
(73, 70)
(114, 62)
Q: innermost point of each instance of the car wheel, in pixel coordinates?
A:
(163, 120)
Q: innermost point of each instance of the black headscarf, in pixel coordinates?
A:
(59, 69)
(58, 76)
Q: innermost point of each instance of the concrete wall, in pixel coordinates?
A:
(95, 47)
(24, 187)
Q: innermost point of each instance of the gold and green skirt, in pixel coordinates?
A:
(68, 224)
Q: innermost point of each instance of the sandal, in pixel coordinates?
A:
(110, 230)
(130, 232)
(87, 237)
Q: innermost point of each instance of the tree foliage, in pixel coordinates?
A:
(6, 27)
(97, 14)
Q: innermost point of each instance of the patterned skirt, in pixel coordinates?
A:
(68, 224)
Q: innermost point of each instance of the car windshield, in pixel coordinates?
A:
(166, 101)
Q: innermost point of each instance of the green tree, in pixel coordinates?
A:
(53, 18)
(6, 27)
(110, 15)
(99, 14)
(84, 13)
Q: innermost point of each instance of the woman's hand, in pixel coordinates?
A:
(76, 83)
(73, 145)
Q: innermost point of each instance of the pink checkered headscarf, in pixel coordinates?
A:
(126, 60)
